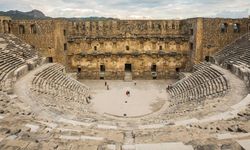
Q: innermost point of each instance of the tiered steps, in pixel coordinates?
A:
(53, 82)
(203, 83)
(128, 77)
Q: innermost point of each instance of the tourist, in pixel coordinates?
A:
(105, 83)
(87, 99)
(128, 93)
(135, 83)
(107, 87)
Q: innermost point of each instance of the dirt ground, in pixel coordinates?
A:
(146, 96)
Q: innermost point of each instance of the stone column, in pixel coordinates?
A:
(5, 26)
(1, 26)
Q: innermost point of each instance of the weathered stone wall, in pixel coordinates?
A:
(248, 24)
(140, 65)
(45, 35)
(207, 37)
(5, 22)
(194, 29)
(129, 45)
(114, 43)
(213, 39)
(169, 44)
(119, 28)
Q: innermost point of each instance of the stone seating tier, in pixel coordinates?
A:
(53, 81)
(203, 83)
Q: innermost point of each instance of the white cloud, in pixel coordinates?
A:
(133, 9)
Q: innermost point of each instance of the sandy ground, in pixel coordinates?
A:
(146, 96)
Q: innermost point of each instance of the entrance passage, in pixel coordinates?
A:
(50, 59)
(102, 72)
(79, 70)
(102, 68)
(128, 68)
(153, 71)
(128, 72)
(153, 68)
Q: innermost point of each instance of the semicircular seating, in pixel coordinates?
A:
(236, 52)
(53, 81)
(203, 83)
(236, 58)
(13, 55)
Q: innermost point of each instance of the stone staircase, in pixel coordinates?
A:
(128, 76)
(129, 141)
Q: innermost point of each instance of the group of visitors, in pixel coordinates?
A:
(127, 92)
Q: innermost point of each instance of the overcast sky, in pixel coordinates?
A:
(133, 9)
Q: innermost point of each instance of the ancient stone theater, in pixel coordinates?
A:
(111, 84)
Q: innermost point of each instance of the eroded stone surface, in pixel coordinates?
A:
(43, 108)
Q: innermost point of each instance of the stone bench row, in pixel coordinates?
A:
(232, 50)
(243, 58)
(200, 66)
(239, 43)
(8, 64)
(210, 89)
(52, 81)
(197, 78)
(235, 52)
(13, 55)
(21, 52)
(201, 84)
(17, 47)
